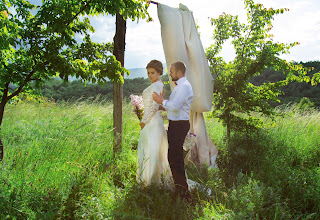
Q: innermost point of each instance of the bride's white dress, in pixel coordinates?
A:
(153, 165)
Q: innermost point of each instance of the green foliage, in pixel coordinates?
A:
(305, 104)
(73, 90)
(58, 90)
(255, 51)
(293, 92)
(276, 168)
(38, 42)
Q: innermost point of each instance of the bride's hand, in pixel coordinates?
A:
(142, 125)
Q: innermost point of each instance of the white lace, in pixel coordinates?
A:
(150, 106)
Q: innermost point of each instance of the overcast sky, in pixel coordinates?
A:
(143, 40)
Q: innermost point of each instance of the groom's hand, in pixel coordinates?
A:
(157, 98)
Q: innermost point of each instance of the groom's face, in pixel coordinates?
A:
(173, 73)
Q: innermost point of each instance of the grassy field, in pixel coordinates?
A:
(58, 165)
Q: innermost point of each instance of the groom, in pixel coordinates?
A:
(177, 107)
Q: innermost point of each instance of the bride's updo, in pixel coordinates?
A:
(157, 65)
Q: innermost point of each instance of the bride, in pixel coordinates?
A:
(153, 165)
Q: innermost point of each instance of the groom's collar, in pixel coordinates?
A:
(181, 80)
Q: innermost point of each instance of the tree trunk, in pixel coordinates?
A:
(118, 52)
(228, 126)
(228, 131)
(3, 103)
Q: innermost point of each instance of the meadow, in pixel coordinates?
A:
(59, 164)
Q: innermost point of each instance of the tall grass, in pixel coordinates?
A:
(58, 165)
(55, 154)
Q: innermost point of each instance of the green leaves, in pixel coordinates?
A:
(39, 42)
(315, 79)
(255, 51)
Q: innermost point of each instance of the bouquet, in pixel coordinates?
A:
(137, 105)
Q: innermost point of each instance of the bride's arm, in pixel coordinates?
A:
(150, 108)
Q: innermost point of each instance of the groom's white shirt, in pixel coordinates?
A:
(178, 105)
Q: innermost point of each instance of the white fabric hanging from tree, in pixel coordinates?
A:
(181, 42)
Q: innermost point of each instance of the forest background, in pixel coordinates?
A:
(58, 90)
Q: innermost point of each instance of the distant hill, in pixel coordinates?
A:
(134, 73)
(137, 81)
(137, 73)
(75, 89)
(294, 91)
(141, 72)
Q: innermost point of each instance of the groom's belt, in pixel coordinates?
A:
(178, 121)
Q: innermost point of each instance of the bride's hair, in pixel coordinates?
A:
(157, 65)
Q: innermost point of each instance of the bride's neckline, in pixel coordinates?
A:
(157, 81)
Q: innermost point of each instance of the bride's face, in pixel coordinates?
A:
(153, 75)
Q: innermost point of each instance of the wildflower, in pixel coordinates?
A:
(137, 105)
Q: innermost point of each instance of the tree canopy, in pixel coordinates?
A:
(235, 97)
(38, 42)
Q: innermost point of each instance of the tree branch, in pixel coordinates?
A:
(5, 93)
(81, 10)
(21, 87)
(3, 63)
(153, 2)
(244, 43)
(5, 66)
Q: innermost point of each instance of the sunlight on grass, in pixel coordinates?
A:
(58, 164)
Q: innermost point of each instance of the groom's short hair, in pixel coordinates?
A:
(180, 66)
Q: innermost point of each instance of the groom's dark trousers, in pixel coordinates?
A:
(177, 132)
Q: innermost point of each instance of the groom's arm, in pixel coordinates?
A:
(175, 102)
(158, 99)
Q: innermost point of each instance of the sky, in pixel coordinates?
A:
(143, 40)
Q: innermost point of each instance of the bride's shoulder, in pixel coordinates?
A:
(158, 84)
